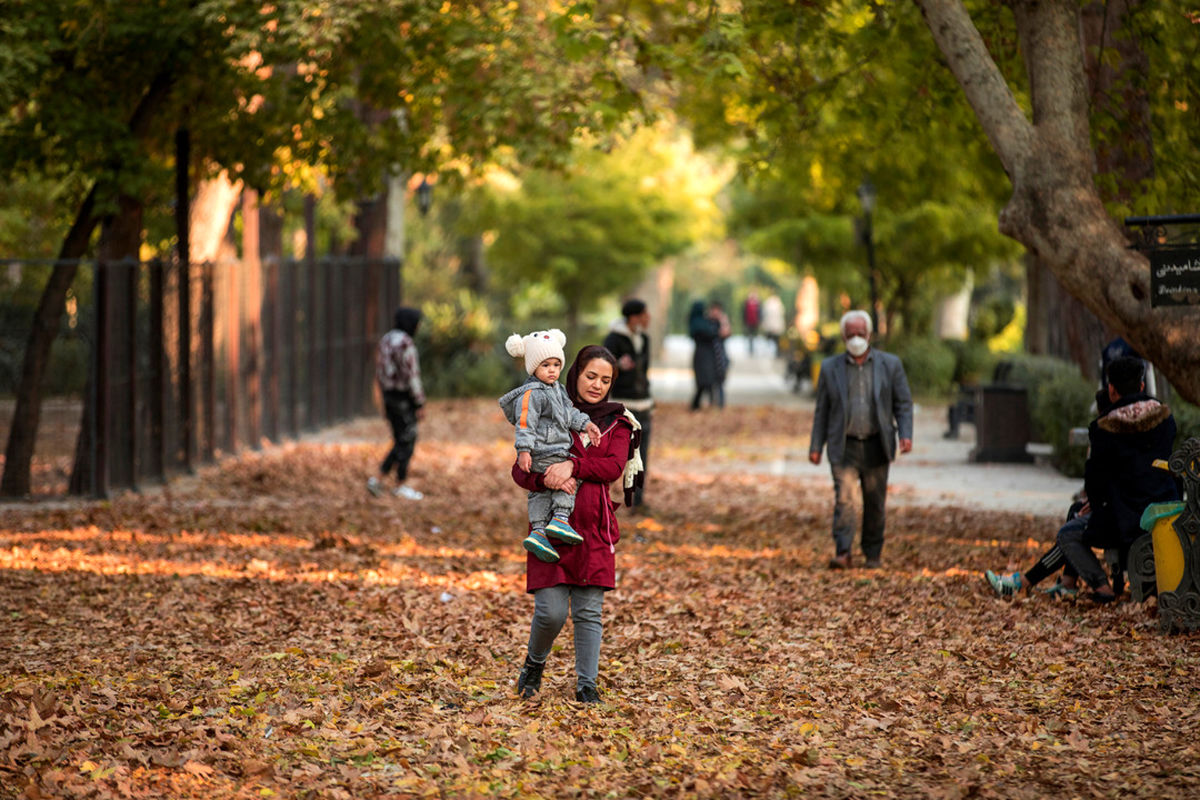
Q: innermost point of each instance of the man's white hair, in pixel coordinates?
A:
(856, 314)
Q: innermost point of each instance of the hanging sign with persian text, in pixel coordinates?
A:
(1175, 276)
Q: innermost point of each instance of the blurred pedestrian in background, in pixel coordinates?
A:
(751, 318)
(708, 326)
(398, 373)
(773, 324)
(629, 341)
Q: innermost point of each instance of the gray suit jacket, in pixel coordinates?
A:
(893, 405)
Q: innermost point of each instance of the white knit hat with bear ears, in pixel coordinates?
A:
(537, 347)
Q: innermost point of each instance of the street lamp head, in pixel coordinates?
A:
(866, 195)
(424, 196)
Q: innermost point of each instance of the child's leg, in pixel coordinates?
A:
(562, 504)
(559, 527)
(540, 508)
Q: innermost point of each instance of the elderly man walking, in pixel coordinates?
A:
(863, 405)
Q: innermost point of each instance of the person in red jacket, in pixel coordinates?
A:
(584, 572)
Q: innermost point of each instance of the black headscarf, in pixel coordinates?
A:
(605, 408)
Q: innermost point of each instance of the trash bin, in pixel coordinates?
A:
(1002, 426)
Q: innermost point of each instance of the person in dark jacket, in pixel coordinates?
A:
(1125, 472)
(708, 326)
(584, 572)
(628, 341)
(398, 373)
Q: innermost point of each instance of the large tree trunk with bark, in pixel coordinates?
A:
(1056, 209)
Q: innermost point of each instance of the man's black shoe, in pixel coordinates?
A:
(530, 679)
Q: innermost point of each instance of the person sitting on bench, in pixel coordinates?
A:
(1129, 444)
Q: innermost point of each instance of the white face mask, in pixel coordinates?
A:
(856, 345)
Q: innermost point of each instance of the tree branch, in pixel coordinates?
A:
(1050, 40)
(1003, 121)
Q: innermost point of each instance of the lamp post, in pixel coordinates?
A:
(424, 195)
(866, 198)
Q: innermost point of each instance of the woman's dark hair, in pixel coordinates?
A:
(593, 351)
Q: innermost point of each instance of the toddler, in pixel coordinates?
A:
(544, 418)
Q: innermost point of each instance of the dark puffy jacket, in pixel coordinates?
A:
(1121, 478)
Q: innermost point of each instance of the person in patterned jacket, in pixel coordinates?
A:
(398, 371)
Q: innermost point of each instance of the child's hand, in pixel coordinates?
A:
(593, 433)
(524, 460)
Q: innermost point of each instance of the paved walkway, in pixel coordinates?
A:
(937, 471)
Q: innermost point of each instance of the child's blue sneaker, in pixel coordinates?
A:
(1004, 585)
(562, 531)
(537, 543)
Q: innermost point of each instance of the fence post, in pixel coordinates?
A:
(310, 322)
(208, 359)
(100, 382)
(291, 356)
(183, 256)
(156, 466)
(133, 272)
(330, 361)
(233, 356)
(272, 334)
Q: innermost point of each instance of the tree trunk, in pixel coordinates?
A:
(270, 237)
(18, 454)
(211, 212)
(1058, 324)
(1055, 209)
(105, 450)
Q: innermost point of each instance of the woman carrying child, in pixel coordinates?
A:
(584, 572)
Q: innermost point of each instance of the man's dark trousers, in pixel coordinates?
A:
(402, 415)
(860, 481)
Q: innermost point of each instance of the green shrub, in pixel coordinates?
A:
(1032, 371)
(462, 354)
(1187, 420)
(469, 374)
(1058, 403)
(929, 364)
(973, 361)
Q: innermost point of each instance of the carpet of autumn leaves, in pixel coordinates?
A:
(268, 629)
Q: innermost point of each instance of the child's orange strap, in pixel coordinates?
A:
(521, 423)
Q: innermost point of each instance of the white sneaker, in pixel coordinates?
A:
(374, 486)
(407, 492)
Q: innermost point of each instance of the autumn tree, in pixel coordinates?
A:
(598, 224)
(93, 93)
(1051, 148)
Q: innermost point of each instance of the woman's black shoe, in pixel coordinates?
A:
(587, 694)
(530, 679)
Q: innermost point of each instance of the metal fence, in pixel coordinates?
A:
(167, 367)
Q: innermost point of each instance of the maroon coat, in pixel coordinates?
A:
(592, 563)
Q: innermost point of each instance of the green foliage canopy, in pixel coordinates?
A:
(597, 226)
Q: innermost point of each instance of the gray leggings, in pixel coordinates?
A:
(549, 615)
